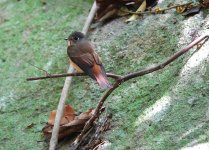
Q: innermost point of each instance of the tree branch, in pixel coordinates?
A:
(168, 61)
(131, 76)
(49, 76)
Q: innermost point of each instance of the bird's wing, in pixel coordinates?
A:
(91, 65)
(85, 57)
(88, 47)
(85, 62)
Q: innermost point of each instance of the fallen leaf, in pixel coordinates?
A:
(81, 119)
(70, 123)
(180, 9)
(86, 115)
(141, 8)
(112, 8)
(68, 115)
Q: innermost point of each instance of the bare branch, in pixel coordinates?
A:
(49, 76)
(134, 75)
(168, 61)
(37, 68)
(96, 113)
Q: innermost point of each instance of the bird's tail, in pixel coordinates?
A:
(102, 81)
(101, 77)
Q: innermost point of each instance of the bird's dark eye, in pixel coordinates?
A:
(76, 38)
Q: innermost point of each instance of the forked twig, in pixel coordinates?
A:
(120, 80)
(131, 76)
(49, 76)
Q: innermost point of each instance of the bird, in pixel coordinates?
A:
(83, 58)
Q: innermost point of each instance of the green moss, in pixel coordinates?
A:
(32, 32)
(185, 122)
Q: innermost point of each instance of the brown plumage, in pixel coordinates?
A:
(83, 57)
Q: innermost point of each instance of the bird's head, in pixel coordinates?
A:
(75, 37)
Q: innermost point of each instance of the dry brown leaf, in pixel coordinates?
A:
(113, 8)
(76, 122)
(104, 4)
(86, 115)
(68, 115)
(141, 8)
(181, 9)
(52, 117)
(69, 123)
(81, 119)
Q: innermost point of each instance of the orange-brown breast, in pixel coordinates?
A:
(77, 68)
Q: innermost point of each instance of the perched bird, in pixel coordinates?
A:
(84, 58)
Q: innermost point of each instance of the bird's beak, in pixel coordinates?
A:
(69, 42)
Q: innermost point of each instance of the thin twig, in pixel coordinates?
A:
(49, 76)
(64, 94)
(134, 75)
(99, 106)
(168, 61)
(178, 5)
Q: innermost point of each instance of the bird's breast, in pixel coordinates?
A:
(77, 68)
